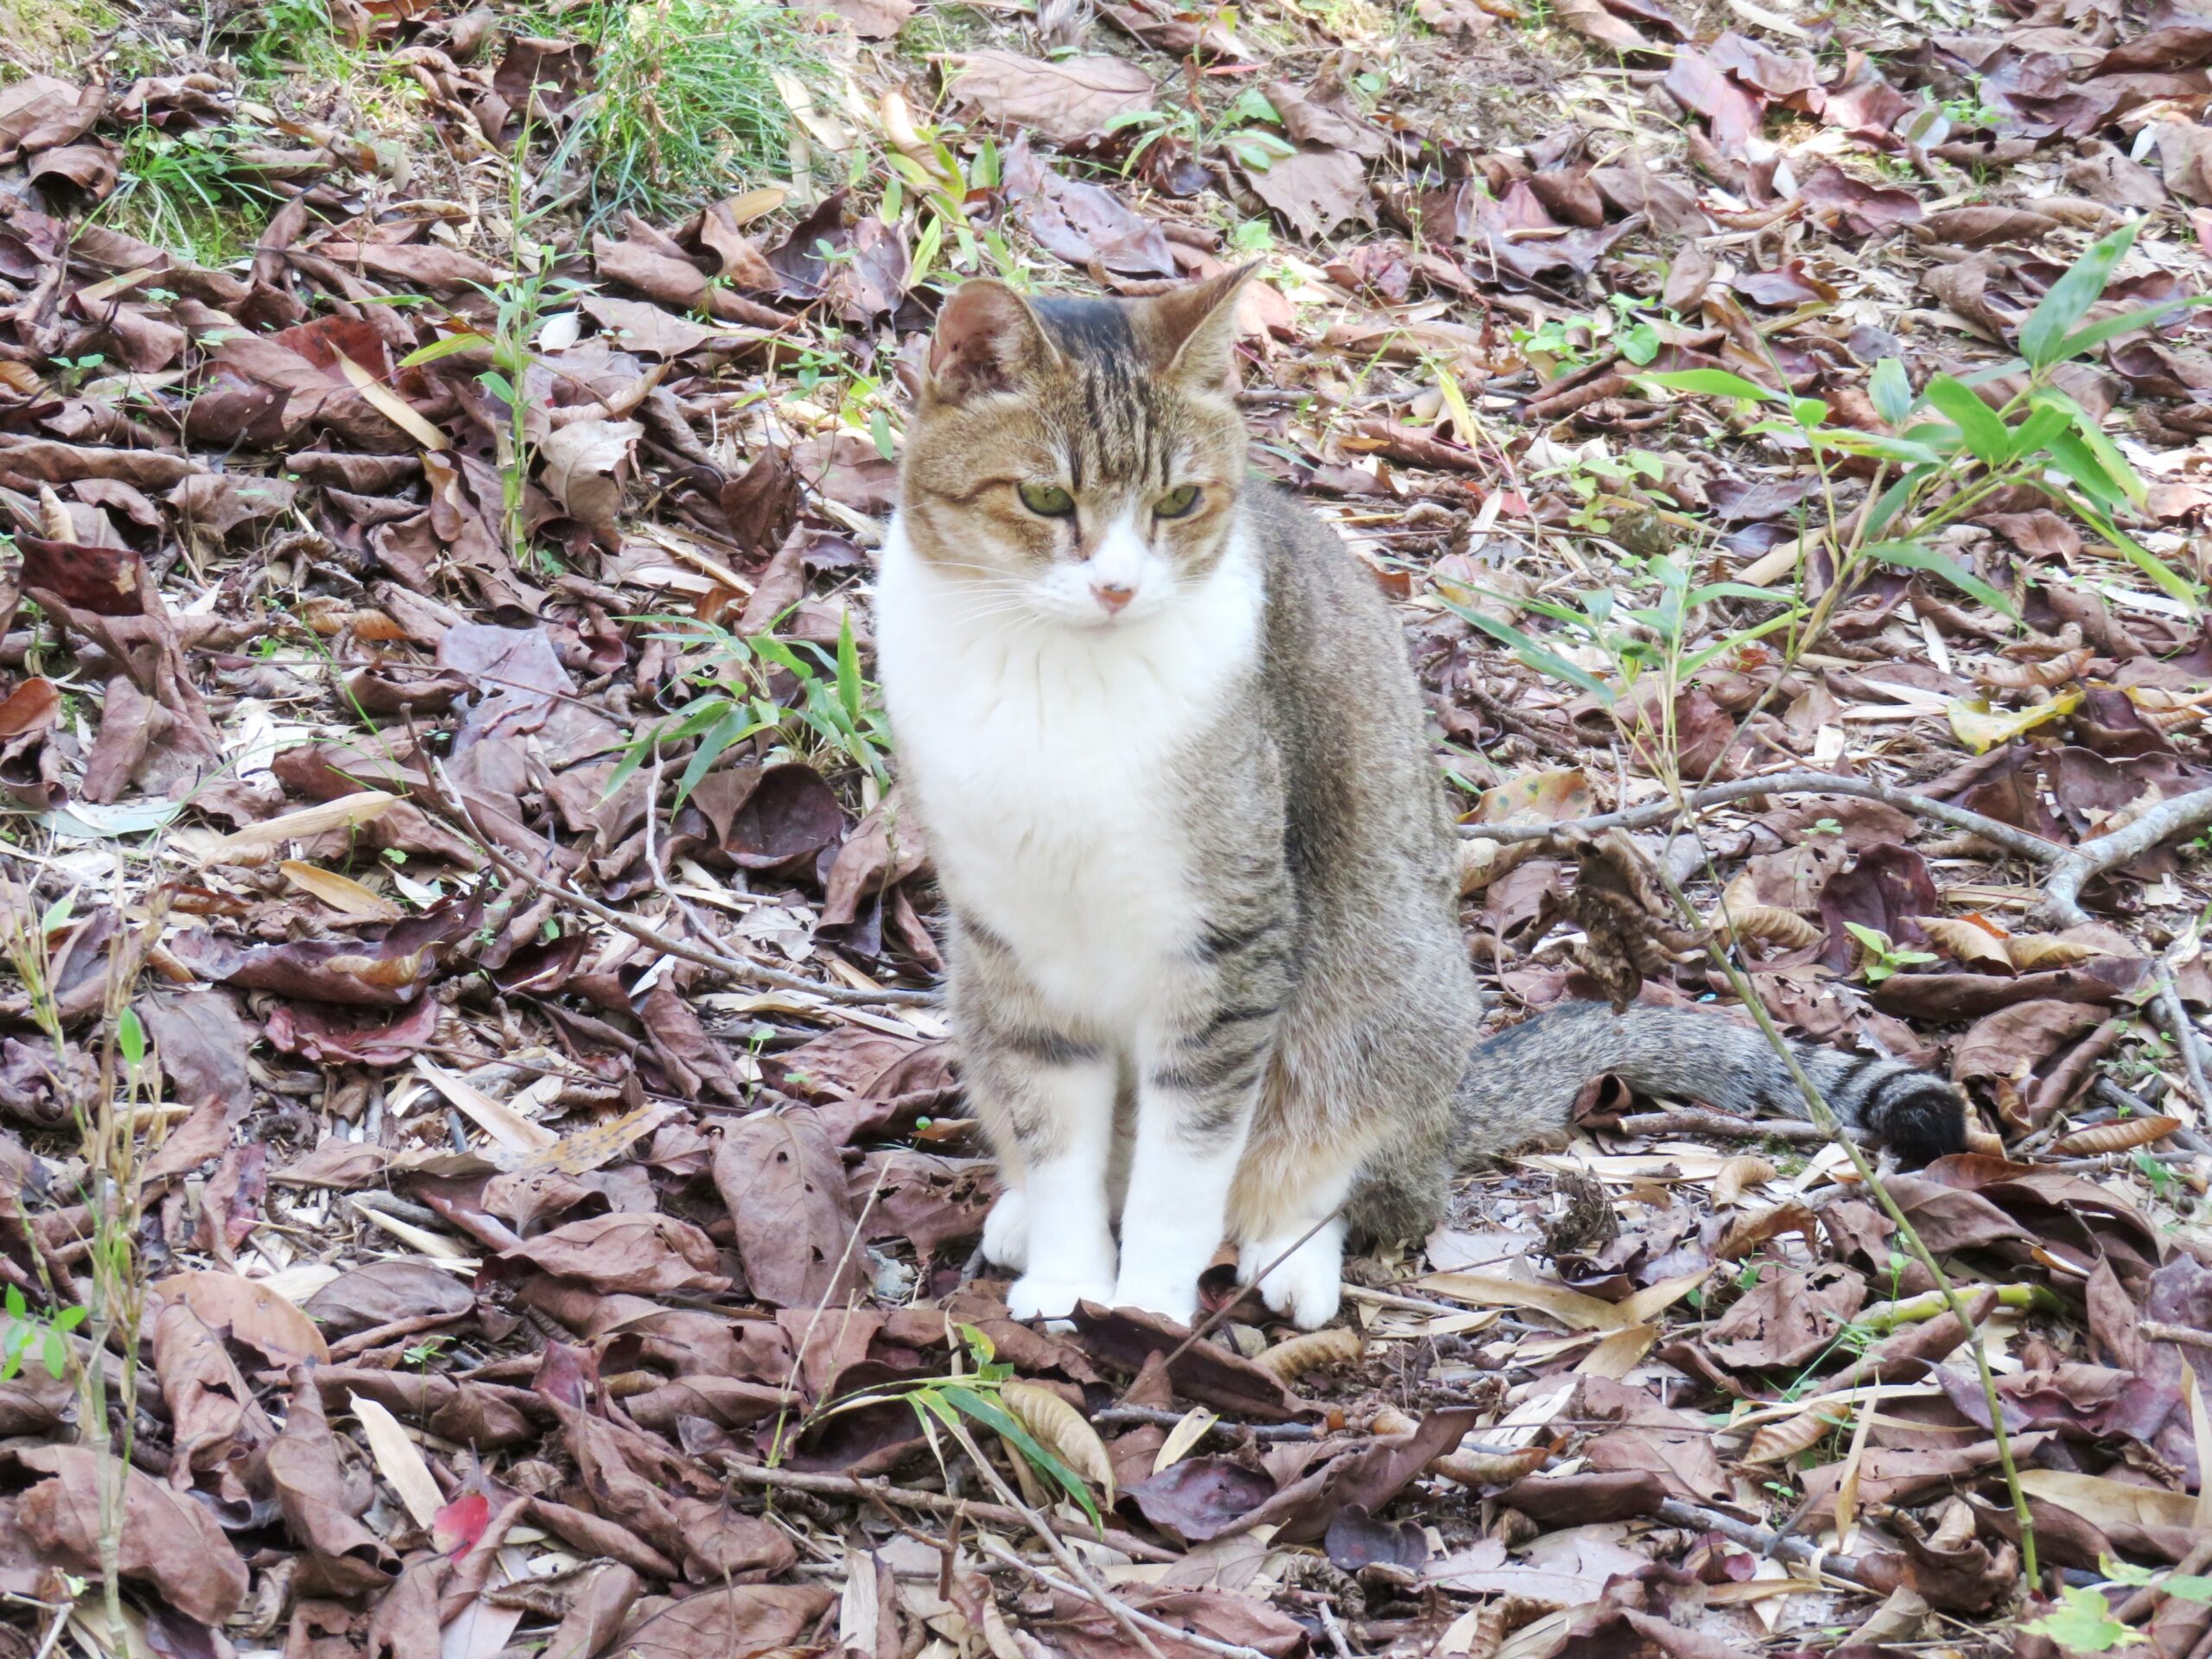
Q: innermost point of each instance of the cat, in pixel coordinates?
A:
(1160, 734)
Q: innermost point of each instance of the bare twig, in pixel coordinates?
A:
(1765, 1540)
(2188, 1335)
(1549, 741)
(2062, 893)
(909, 1497)
(1817, 1108)
(1085, 1585)
(2167, 1006)
(737, 967)
(2018, 842)
(1336, 1630)
(1684, 1121)
(376, 1336)
(1142, 1622)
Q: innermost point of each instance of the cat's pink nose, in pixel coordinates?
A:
(1111, 596)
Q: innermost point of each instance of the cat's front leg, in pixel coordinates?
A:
(1051, 1097)
(1195, 1098)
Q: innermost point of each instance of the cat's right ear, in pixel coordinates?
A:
(988, 340)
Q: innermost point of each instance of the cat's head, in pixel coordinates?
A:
(1077, 460)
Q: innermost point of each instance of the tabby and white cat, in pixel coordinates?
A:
(1166, 750)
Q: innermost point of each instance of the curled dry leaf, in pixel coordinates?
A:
(1060, 1426)
(1738, 1176)
(1774, 1442)
(2033, 952)
(1766, 924)
(1968, 940)
(1291, 1359)
(1750, 1230)
(2034, 676)
(1489, 1468)
(2121, 1136)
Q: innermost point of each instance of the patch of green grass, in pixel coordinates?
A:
(296, 37)
(949, 27)
(50, 36)
(189, 191)
(684, 108)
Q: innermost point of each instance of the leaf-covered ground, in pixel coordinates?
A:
(480, 1147)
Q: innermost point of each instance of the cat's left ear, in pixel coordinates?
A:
(1194, 328)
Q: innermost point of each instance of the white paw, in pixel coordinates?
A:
(1034, 1298)
(1307, 1288)
(1177, 1300)
(1006, 1230)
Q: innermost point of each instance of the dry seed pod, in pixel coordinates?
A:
(1489, 1468)
(2122, 1135)
(1754, 1227)
(1060, 1428)
(1786, 1438)
(1982, 1141)
(1289, 1360)
(1768, 924)
(1738, 1176)
(1965, 941)
(2034, 676)
(53, 518)
(2032, 953)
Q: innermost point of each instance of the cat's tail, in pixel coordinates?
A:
(1525, 1080)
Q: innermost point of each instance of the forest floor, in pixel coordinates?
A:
(484, 1173)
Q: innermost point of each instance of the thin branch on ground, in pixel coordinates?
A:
(2062, 891)
(1085, 1585)
(2020, 842)
(1817, 1108)
(738, 968)
(862, 1490)
(1142, 1622)
(2187, 1336)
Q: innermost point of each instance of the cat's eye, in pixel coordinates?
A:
(1046, 500)
(1177, 503)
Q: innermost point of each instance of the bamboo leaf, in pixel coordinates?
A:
(1911, 555)
(2043, 336)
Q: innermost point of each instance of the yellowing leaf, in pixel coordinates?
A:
(1963, 939)
(341, 892)
(1570, 1308)
(390, 404)
(399, 1460)
(1184, 1436)
(2031, 952)
(1489, 1468)
(1776, 1441)
(1982, 728)
(495, 1117)
(347, 812)
(1060, 1428)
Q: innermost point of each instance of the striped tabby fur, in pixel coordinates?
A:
(1160, 733)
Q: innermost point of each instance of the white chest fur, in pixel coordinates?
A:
(1044, 758)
